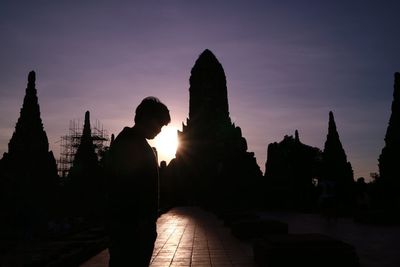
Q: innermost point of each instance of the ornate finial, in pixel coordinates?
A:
(331, 123)
(112, 139)
(296, 136)
(86, 126)
(87, 116)
(32, 77)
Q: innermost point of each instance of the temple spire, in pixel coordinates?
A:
(332, 131)
(86, 126)
(30, 166)
(296, 136)
(112, 139)
(388, 160)
(84, 175)
(333, 149)
(336, 168)
(212, 161)
(32, 78)
(85, 155)
(29, 135)
(208, 91)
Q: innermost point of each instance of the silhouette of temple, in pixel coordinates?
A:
(29, 172)
(85, 179)
(291, 171)
(70, 142)
(212, 165)
(336, 169)
(389, 171)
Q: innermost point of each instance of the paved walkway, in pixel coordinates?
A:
(192, 237)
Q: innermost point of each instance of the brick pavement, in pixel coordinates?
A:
(192, 237)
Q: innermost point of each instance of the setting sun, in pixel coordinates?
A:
(166, 143)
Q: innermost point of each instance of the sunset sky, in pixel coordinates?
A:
(287, 65)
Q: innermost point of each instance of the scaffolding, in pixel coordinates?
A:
(69, 144)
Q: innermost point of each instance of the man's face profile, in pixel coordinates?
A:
(153, 128)
(151, 115)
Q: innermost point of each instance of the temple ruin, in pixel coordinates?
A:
(212, 166)
(29, 172)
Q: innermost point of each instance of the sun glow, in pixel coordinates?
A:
(166, 143)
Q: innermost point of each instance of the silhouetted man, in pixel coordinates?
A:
(133, 187)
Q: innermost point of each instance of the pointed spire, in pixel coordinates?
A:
(396, 91)
(86, 126)
(296, 136)
(393, 129)
(337, 169)
(86, 146)
(85, 157)
(31, 88)
(332, 125)
(388, 165)
(31, 78)
(31, 106)
(335, 159)
(84, 175)
(87, 117)
(29, 161)
(112, 139)
(29, 132)
(333, 143)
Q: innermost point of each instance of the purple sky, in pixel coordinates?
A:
(287, 65)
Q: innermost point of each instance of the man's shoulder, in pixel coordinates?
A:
(127, 148)
(127, 134)
(126, 139)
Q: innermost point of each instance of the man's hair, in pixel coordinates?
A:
(152, 108)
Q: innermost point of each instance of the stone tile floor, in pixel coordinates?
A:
(192, 237)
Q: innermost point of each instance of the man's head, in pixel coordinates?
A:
(151, 115)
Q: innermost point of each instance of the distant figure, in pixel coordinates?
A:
(133, 187)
